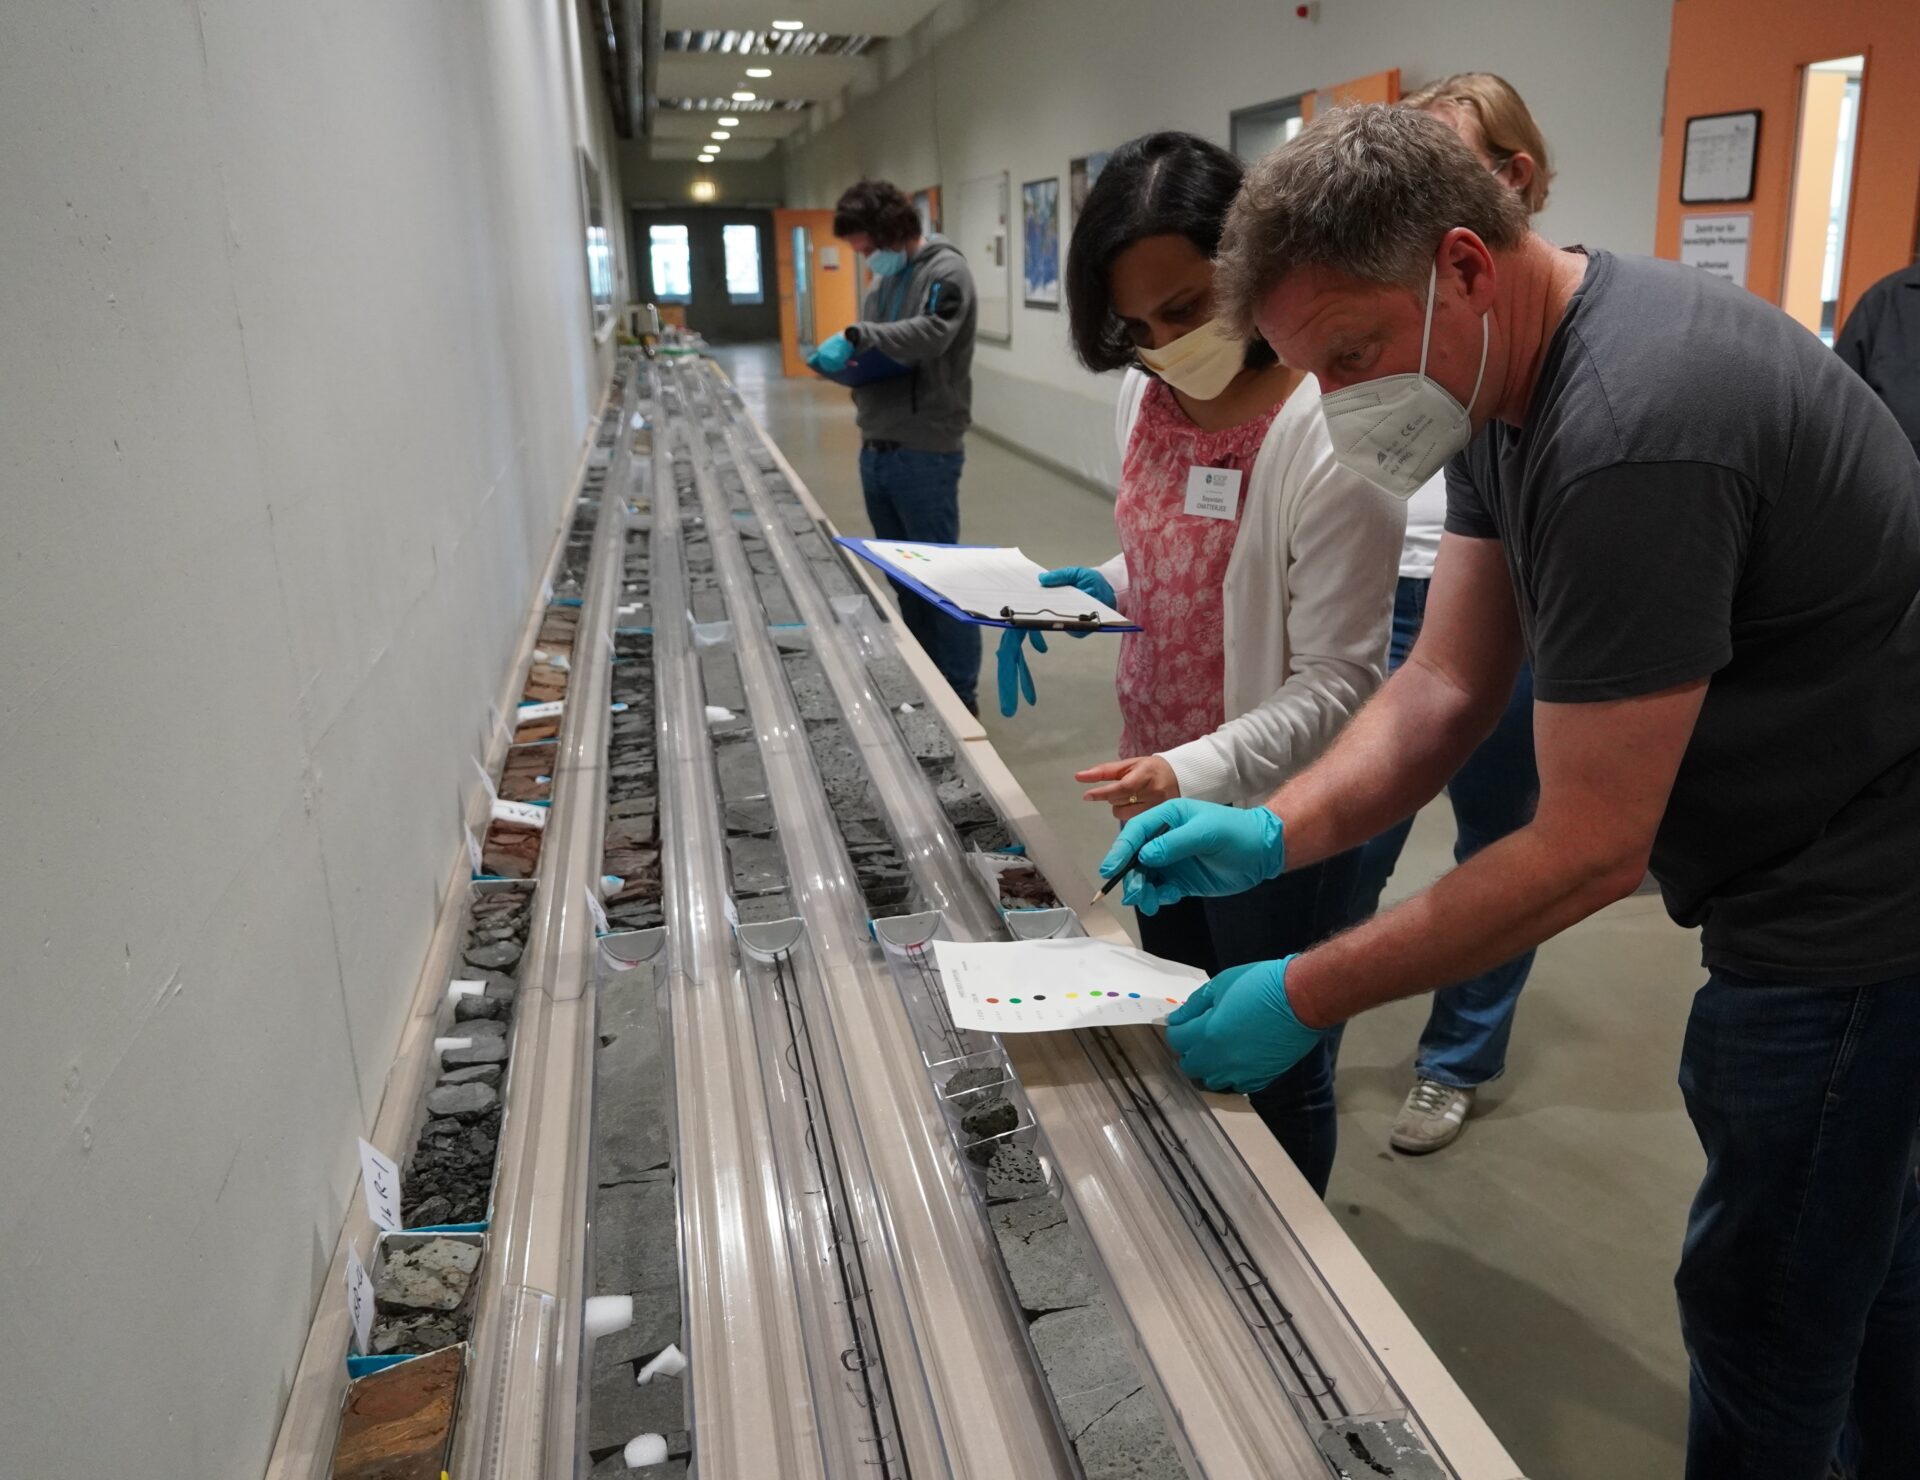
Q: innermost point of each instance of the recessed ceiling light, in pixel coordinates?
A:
(759, 71)
(743, 96)
(729, 122)
(708, 158)
(788, 25)
(720, 134)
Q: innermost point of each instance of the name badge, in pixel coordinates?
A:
(1213, 493)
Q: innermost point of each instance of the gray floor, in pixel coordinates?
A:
(1536, 1253)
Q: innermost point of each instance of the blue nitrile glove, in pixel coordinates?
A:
(832, 356)
(1015, 677)
(1184, 847)
(1084, 578)
(1238, 1033)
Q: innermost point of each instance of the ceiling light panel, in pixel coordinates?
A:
(768, 43)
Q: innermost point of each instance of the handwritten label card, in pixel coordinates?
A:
(538, 711)
(474, 854)
(359, 1299)
(493, 792)
(598, 911)
(521, 814)
(381, 1178)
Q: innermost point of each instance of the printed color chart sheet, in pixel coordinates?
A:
(1041, 986)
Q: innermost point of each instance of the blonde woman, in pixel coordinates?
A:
(1464, 1044)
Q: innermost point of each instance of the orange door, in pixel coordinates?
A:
(817, 276)
(1730, 56)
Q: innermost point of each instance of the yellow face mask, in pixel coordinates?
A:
(1201, 363)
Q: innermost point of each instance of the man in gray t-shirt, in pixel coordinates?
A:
(1705, 533)
(1737, 507)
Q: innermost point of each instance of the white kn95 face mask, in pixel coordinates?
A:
(1399, 430)
(1200, 363)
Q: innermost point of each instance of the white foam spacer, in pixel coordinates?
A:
(607, 1314)
(441, 1045)
(667, 1363)
(457, 990)
(645, 1449)
(718, 716)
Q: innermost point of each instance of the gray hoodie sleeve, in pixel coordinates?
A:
(944, 306)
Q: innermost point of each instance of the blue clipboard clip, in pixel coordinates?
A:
(1043, 618)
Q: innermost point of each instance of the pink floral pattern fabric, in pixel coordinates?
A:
(1172, 673)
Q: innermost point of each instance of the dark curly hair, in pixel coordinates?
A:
(877, 208)
(1165, 184)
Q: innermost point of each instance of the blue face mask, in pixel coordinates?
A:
(886, 264)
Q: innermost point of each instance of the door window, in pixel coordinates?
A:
(803, 288)
(671, 260)
(1822, 190)
(741, 243)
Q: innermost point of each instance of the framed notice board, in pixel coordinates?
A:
(1718, 168)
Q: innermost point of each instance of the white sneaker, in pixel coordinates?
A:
(1431, 1117)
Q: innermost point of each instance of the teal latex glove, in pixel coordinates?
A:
(1015, 677)
(1082, 578)
(1238, 1034)
(832, 356)
(1184, 848)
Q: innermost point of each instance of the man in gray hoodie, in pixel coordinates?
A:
(913, 419)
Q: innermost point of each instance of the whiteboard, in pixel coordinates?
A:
(977, 225)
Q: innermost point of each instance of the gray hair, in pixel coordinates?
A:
(1367, 191)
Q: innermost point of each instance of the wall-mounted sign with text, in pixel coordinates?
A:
(1717, 244)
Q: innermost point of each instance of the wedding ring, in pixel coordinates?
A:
(1133, 799)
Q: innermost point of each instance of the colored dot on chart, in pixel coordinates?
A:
(1133, 994)
(1093, 994)
(994, 1000)
(1072, 995)
(1014, 1000)
(1039, 996)
(1174, 1000)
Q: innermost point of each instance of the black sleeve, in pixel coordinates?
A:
(1467, 511)
(1856, 335)
(1633, 571)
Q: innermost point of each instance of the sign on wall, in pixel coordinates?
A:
(1717, 244)
(1719, 161)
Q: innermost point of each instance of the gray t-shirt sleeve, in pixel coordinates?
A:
(1635, 569)
(1466, 510)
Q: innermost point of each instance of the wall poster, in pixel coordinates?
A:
(1081, 173)
(1040, 234)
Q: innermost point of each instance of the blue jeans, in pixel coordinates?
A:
(916, 496)
(1465, 1040)
(1799, 1283)
(1270, 920)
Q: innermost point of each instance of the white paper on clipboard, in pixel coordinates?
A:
(990, 581)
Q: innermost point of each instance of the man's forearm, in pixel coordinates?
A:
(1389, 762)
(1506, 899)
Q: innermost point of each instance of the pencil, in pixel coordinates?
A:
(1107, 888)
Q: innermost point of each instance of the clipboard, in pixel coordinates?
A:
(1057, 609)
(863, 369)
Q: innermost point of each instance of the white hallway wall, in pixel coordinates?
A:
(1026, 85)
(295, 368)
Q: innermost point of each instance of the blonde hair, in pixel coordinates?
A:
(1505, 125)
(1368, 191)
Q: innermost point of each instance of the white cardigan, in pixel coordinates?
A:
(1308, 601)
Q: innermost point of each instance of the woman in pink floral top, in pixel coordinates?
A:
(1261, 572)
